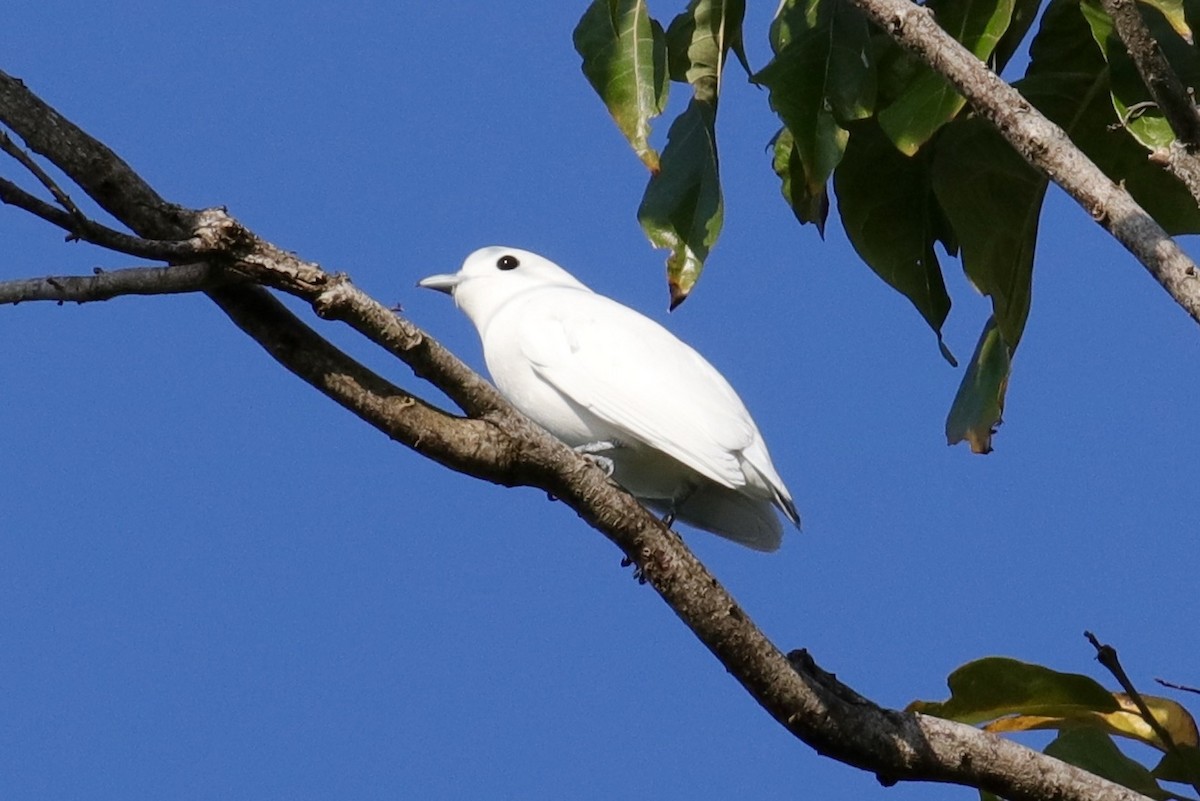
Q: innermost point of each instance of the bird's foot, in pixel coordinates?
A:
(603, 462)
(639, 574)
(677, 504)
(592, 452)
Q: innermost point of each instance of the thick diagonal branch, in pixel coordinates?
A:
(479, 448)
(506, 449)
(498, 444)
(1044, 145)
(92, 165)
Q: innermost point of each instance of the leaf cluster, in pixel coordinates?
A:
(917, 176)
(1006, 695)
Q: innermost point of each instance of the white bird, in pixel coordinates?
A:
(613, 383)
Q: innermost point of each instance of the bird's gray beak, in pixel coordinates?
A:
(442, 283)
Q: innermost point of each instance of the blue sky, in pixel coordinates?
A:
(214, 583)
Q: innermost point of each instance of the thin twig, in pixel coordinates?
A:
(505, 448)
(1106, 655)
(26, 161)
(97, 234)
(91, 164)
(1175, 686)
(1164, 84)
(334, 297)
(1185, 166)
(107, 284)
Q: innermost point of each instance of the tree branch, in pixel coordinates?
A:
(1170, 95)
(1164, 84)
(92, 165)
(1044, 145)
(82, 228)
(502, 446)
(476, 447)
(107, 284)
(335, 298)
(1106, 655)
(26, 161)
(507, 449)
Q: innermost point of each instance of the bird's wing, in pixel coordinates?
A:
(636, 376)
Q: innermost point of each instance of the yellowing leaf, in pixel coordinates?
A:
(1170, 715)
(995, 687)
(1172, 10)
(1126, 721)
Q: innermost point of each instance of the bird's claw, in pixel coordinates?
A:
(592, 450)
(603, 462)
(639, 573)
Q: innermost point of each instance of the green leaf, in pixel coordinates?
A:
(1171, 715)
(792, 19)
(625, 60)
(978, 406)
(1023, 15)
(892, 220)
(825, 45)
(808, 205)
(1181, 765)
(1096, 753)
(993, 199)
(930, 101)
(821, 75)
(895, 69)
(682, 209)
(1132, 101)
(1064, 47)
(1175, 15)
(698, 41)
(1127, 721)
(995, 686)
(1068, 82)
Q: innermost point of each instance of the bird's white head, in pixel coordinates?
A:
(492, 276)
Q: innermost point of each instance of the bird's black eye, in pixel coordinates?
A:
(508, 262)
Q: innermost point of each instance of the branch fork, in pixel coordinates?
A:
(209, 251)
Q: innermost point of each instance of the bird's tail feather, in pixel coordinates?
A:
(730, 514)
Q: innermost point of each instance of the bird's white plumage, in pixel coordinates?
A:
(590, 370)
(579, 342)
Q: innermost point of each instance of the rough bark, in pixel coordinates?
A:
(1170, 95)
(1044, 145)
(1165, 87)
(106, 284)
(494, 442)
